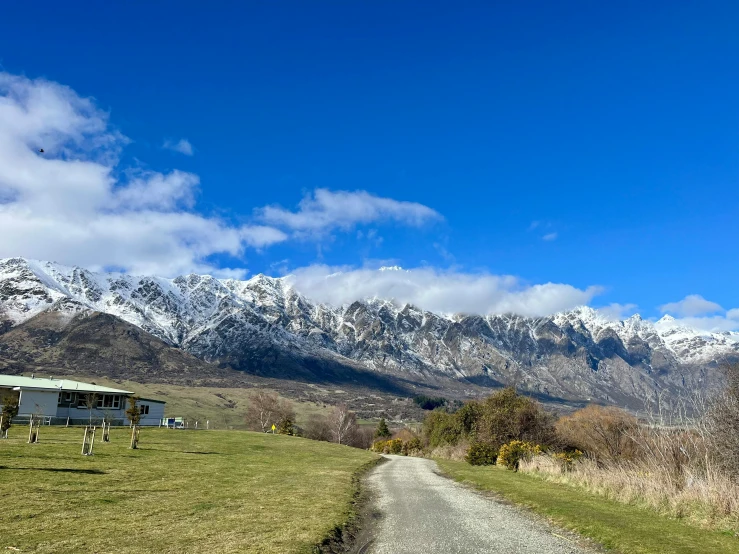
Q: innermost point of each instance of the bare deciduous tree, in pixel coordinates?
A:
(343, 424)
(261, 410)
(91, 402)
(317, 429)
(266, 408)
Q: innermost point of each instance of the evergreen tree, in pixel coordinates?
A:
(382, 431)
(286, 426)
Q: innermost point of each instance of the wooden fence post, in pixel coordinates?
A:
(34, 426)
(135, 437)
(88, 441)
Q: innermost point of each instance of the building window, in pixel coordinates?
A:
(59, 401)
(116, 402)
(68, 397)
(144, 409)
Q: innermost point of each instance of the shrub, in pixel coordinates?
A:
(10, 409)
(481, 454)
(379, 446)
(604, 433)
(404, 434)
(362, 438)
(503, 417)
(394, 446)
(441, 428)
(508, 416)
(468, 416)
(412, 447)
(512, 453)
(567, 460)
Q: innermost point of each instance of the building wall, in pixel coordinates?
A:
(155, 415)
(83, 415)
(46, 403)
(38, 402)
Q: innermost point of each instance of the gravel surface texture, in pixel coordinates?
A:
(423, 512)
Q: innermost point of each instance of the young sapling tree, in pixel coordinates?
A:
(134, 416)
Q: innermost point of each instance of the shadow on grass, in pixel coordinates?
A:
(174, 451)
(58, 470)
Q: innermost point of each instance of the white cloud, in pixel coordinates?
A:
(69, 204)
(325, 210)
(698, 313)
(716, 323)
(618, 312)
(182, 146)
(439, 291)
(157, 191)
(691, 305)
(550, 236)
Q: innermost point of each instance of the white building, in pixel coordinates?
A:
(62, 400)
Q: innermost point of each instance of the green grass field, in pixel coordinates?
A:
(625, 528)
(183, 491)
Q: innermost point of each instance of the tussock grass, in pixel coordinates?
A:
(630, 529)
(183, 491)
(704, 498)
(456, 452)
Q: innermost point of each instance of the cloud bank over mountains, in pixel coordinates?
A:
(76, 204)
(445, 292)
(697, 312)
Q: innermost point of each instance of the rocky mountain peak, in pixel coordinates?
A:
(245, 324)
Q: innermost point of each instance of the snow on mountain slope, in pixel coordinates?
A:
(263, 323)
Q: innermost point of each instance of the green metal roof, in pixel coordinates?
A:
(152, 400)
(37, 383)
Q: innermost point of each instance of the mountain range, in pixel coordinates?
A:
(199, 325)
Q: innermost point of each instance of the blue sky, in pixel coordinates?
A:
(572, 143)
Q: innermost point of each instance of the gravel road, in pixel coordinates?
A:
(423, 512)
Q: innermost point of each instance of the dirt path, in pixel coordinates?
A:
(423, 512)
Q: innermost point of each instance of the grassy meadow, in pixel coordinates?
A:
(628, 529)
(182, 491)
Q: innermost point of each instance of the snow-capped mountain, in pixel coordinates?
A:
(263, 325)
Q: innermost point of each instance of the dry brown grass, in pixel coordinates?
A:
(700, 496)
(455, 452)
